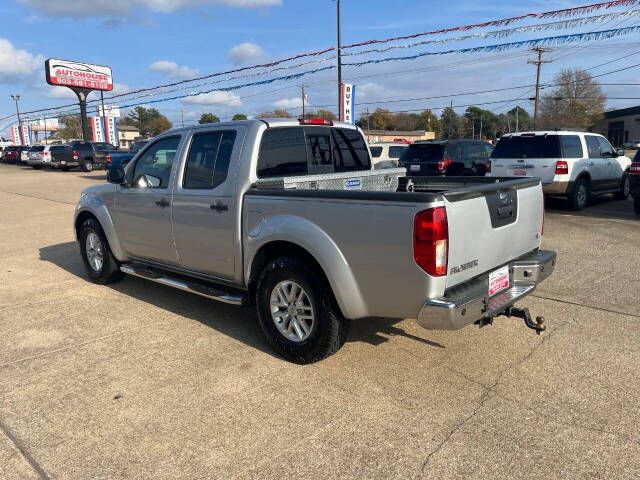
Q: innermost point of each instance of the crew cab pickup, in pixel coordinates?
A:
(91, 155)
(189, 212)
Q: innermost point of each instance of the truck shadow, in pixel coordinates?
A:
(605, 207)
(239, 323)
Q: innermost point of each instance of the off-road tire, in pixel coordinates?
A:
(576, 200)
(110, 271)
(330, 328)
(625, 188)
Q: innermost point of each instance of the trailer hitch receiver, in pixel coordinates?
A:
(523, 313)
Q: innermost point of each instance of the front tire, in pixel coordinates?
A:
(625, 188)
(298, 312)
(580, 195)
(99, 262)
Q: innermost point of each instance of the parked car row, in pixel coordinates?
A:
(87, 156)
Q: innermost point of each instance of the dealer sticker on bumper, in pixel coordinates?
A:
(498, 280)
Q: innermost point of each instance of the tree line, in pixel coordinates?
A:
(577, 101)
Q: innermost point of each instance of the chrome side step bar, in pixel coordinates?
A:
(185, 285)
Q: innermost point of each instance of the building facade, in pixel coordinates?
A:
(620, 126)
(392, 135)
(126, 135)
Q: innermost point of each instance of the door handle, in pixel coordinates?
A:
(591, 164)
(162, 202)
(219, 206)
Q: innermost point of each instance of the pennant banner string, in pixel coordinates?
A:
(566, 12)
(589, 36)
(578, 22)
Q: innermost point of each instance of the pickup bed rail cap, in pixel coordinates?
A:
(417, 197)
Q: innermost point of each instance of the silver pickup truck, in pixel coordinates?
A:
(188, 211)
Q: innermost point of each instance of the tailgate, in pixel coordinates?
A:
(490, 225)
(543, 168)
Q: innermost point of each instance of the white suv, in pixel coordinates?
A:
(571, 164)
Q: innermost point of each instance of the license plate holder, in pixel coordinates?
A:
(498, 280)
(520, 173)
(414, 168)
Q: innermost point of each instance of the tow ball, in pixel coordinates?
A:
(523, 313)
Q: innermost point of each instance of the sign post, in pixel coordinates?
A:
(82, 78)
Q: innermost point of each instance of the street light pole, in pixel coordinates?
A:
(339, 66)
(16, 98)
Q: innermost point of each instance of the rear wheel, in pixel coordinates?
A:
(625, 188)
(99, 262)
(87, 166)
(580, 195)
(298, 312)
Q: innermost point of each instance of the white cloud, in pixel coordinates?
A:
(123, 8)
(245, 52)
(172, 69)
(286, 103)
(223, 98)
(369, 90)
(15, 62)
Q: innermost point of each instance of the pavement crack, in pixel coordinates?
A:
(23, 451)
(37, 198)
(578, 304)
(486, 393)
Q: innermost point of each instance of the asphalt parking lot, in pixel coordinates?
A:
(137, 380)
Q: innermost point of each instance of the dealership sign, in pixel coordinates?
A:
(66, 73)
(348, 101)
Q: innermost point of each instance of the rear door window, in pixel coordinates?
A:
(534, 146)
(350, 151)
(593, 146)
(208, 160)
(571, 146)
(37, 149)
(424, 152)
(282, 153)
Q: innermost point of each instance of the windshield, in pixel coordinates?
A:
(538, 146)
(424, 152)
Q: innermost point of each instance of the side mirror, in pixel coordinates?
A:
(147, 181)
(620, 152)
(116, 175)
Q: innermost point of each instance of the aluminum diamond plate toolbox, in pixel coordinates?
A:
(385, 180)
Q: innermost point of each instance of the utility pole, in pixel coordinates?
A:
(339, 66)
(182, 117)
(517, 111)
(540, 51)
(16, 98)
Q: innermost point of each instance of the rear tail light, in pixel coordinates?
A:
(109, 158)
(562, 168)
(488, 166)
(635, 168)
(431, 240)
(75, 155)
(315, 121)
(444, 164)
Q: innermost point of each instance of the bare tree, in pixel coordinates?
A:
(577, 102)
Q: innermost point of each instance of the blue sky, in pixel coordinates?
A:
(149, 42)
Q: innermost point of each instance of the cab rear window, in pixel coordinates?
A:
(538, 146)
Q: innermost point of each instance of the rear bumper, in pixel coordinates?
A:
(34, 162)
(470, 302)
(558, 188)
(63, 163)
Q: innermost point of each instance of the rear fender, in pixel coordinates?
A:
(96, 206)
(308, 235)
